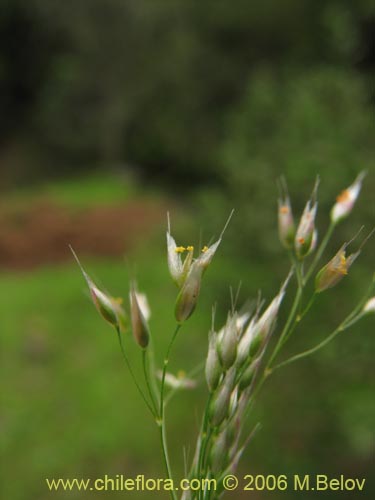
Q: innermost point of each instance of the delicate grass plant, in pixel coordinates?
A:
(239, 359)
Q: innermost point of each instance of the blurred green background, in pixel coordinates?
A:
(114, 112)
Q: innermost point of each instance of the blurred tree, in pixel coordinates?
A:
(152, 82)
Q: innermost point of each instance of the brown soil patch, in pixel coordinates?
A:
(41, 233)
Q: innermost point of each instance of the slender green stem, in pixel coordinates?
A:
(146, 372)
(320, 251)
(307, 308)
(161, 419)
(165, 365)
(291, 318)
(298, 319)
(152, 371)
(348, 321)
(308, 352)
(132, 373)
(362, 302)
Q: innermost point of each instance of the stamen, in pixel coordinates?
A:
(204, 249)
(284, 209)
(342, 267)
(190, 248)
(180, 249)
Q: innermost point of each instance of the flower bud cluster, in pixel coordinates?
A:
(304, 238)
(234, 355)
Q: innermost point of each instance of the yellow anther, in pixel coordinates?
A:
(190, 248)
(342, 268)
(181, 374)
(180, 249)
(205, 248)
(118, 300)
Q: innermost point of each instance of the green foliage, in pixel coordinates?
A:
(153, 82)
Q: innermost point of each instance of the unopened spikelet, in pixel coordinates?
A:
(218, 457)
(369, 307)
(304, 240)
(286, 225)
(228, 341)
(213, 367)
(243, 350)
(248, 375)
(139, 312)
(233, 402)
(346, 200)
(264, 326)
(219, 408)
(109, 308)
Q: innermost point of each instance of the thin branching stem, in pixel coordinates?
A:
(344, 325)
(289, 321)
(146, 372)
(161, 419)
(132, 373)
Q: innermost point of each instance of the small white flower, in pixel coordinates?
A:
(369, 307)
(346, 199)
(181, 381)
(188, 274)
